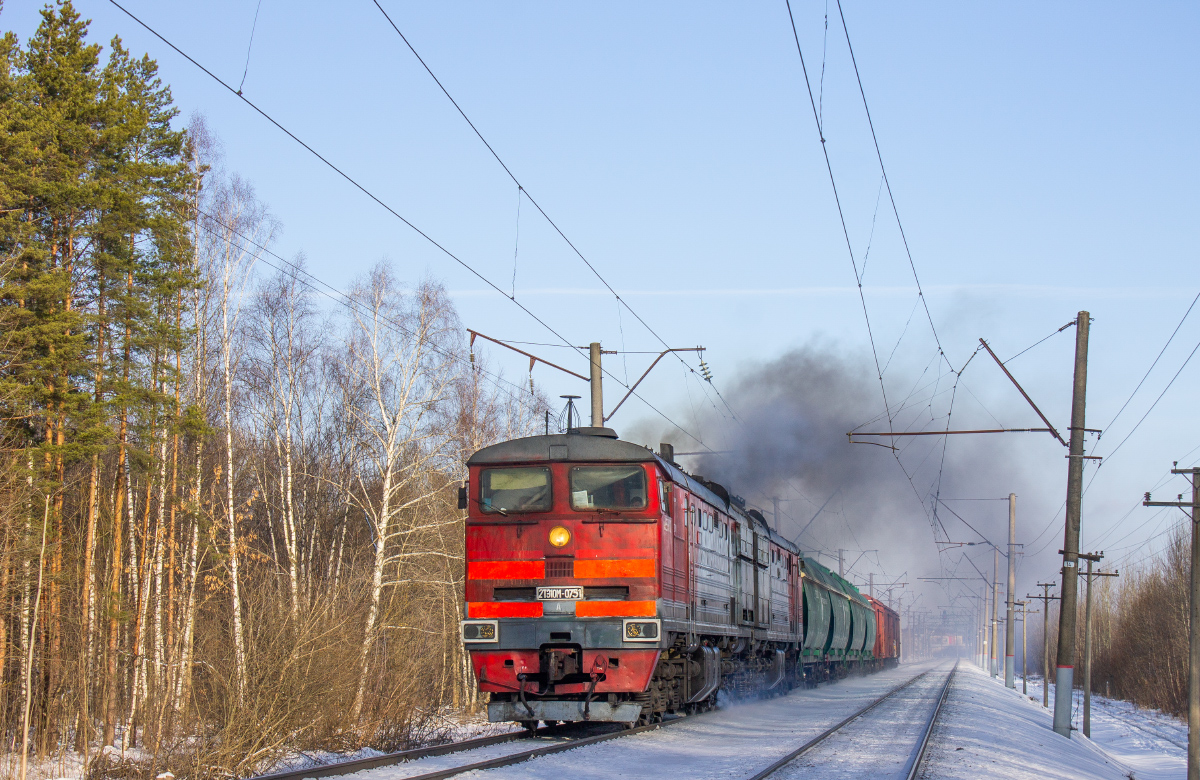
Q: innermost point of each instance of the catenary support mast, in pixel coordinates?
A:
(1064, 678)
(597, 385)
(995, 660)
(1010, 633)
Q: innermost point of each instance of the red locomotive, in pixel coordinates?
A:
(604, 583)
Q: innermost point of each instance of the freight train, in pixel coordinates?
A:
(604, 583)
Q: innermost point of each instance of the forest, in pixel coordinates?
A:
(1139, 627)
(228, 527)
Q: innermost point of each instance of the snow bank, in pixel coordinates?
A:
(989, 731)
(1152, 744)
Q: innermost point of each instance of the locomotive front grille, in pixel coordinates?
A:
(560, 568)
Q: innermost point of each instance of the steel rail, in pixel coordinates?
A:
(387, 759)
(829, 732)
(913, 767)
(517, 758)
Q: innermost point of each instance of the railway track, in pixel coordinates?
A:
(561, 733)
(916, 756)
(564, 741)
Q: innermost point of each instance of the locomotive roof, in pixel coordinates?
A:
(563, 446)
(601, 445)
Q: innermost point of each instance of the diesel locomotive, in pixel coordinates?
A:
(604, 583)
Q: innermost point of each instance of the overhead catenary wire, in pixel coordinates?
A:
(1166, 477)
(621, 301)
(249, 46)
(1153, 364)
(841, 214)
(1039, 341)
(1151, 409)
(854, 263)
(352, 181)
(1145, 376)
(887, 182)
(1051, 523)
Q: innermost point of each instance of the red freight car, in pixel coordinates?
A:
(605, 583)
(887, 638)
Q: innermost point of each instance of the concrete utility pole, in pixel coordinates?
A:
(1025, 613)
(1087, 638)
(1010, 635)
(1064, 678)
(995, 660)
(1193, 762)
(871, 587)
(985, 647)
(597, 385)
(841, 562)
(775, 512)
(1046, 599)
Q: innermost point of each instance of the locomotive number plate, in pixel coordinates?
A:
(560, 593)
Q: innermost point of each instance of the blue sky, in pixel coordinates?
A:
(1043, 159)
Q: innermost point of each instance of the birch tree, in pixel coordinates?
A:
(241, 228)
(398, 352)
(286, 341)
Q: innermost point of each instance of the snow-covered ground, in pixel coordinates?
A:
(733, 742)
(445, 727)
(989, 731)
(1151, 744)
(877, 745)
(986, 731)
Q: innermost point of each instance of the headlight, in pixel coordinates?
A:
(641, 631)
(559, 536)
(480, 631)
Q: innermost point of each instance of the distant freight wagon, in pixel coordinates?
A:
(604, 583)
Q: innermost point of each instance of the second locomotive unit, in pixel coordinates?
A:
(604, 583)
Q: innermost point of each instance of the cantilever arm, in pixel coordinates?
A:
(532, 358)
(1013, 379)
(664, 353)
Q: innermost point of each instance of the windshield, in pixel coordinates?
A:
(608, 487)
(515, 490)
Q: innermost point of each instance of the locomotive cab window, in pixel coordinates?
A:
(608, 487)
(515, 490)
